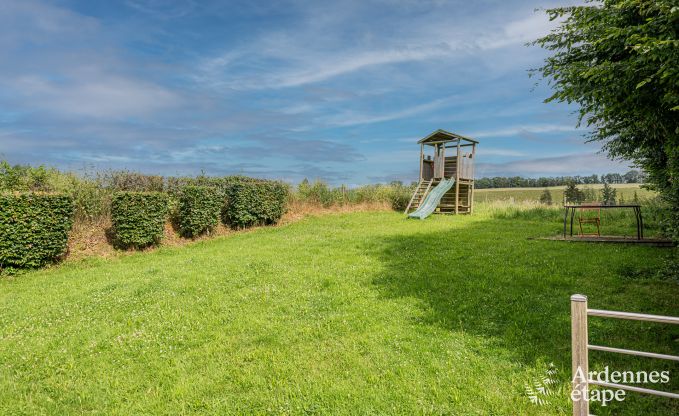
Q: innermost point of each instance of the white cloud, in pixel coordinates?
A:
(101, 95)
(519, 32)
(302, 58)
(64, 64)
(350, 63)
(490, 151)
(516, 130)
(355, 118)
(567, 164)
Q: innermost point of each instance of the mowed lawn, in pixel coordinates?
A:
(364, 313)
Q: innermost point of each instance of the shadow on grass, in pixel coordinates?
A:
(488, 280)
(485, 279)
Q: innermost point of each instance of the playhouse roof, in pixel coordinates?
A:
(444, 136)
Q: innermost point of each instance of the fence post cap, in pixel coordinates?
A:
(578, 298)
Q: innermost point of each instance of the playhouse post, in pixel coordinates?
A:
(421, 161)
(457, 179)
(471, 193)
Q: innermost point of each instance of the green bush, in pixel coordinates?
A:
(400, 198)
(138, 218)
(198, 210)
(254, 202)
(34, 228)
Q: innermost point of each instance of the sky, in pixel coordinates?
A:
(332, 90)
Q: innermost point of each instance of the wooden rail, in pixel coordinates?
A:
(580, 349)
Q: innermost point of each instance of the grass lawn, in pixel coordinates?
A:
(364, 313)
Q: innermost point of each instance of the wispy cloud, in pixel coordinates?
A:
(518, 32)
(566, 164)
(352, 118)
(163, 9)
(296, 63)
(517, 130)
(96, 94)
(491, 151)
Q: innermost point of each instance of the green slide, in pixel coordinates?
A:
(431, 201)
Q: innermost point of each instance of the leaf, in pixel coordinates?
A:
(644, 82)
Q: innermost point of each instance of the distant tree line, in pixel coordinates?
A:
(633, 176)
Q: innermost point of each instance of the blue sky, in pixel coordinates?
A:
(335, 90)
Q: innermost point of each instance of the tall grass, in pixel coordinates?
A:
(319, 192)
(613, 221)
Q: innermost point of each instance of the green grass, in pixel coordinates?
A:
(626, 191)
(364, 313)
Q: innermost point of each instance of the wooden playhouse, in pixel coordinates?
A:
(445, 156)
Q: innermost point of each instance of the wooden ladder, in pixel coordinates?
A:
(418, 196)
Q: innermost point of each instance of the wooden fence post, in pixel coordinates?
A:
(580, 363)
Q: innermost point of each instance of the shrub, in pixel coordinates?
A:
(546, 197)
(608, 194)
(138, 218)
(34, 228)
(254, 202)
(198, 210)
(400, 198)
(572, 194)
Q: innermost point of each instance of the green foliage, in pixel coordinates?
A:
(658, 211)
(546, 197)
(254, 202)
(198, 210)
(24, 178)
(138, 218)
(572, 194)
(400, 198)
(589, 195)
(618, 60)
(33, 228)
(608, 194)
(320, 193)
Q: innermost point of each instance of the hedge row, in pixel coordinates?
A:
(251, 202)
(198, 210)
(138, 218)
(34, 228)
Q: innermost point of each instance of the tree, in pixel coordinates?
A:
(572, 194)
(633, 176)
(546, 197)
(618, 60)
(608, 194)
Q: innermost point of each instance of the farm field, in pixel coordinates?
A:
(357, 313)
(533, 194)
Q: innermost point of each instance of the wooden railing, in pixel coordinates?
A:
(580, 349)
(467, 166)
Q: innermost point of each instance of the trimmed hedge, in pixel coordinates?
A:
(198, 210)
(254, 202)
(34, 228)
(138, 218)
